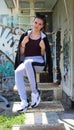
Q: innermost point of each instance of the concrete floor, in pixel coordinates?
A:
(66, 116)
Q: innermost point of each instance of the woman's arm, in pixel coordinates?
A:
(49, 62)
(17, 58)
(23, 44)
(42, 45)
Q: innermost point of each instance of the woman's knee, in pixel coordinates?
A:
(18, 72)
(27, 63)
(20, 69)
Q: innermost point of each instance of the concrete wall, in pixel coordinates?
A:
(3, 8)
(73, 54)
(63, 19)
(9, 38)
(10, 31)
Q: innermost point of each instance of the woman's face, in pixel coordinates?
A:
(37, 24)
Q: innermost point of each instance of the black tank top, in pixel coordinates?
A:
(33, 48)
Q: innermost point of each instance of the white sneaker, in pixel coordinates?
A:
(23, 107)
(35, 98)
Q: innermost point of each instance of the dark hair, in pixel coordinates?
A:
(42, 17)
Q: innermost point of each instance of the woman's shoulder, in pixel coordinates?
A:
(43, 35)
(26, 32)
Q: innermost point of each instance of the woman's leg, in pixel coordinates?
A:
(19, 81)
(28, 67)
(31, 67)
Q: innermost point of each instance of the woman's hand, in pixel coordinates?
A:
(25, 41)
(42, 45)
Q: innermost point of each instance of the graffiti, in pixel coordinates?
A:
(67, 58)
(6, 66)
(7, 71)
(9, 39)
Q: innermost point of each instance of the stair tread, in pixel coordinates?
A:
(46, 106)
(45, 86)
(40, 127)
(48, 84)
(42, 86)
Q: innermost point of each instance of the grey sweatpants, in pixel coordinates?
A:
(28, 68)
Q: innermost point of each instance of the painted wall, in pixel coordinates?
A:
(9, 38)
(62, 19)
(73, 54)
(3, 8)
(10, 32)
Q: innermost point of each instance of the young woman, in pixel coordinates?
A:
(35, 47)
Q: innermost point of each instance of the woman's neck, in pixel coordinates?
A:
(35, 32)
